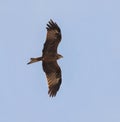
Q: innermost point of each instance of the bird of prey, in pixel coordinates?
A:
(49, 58)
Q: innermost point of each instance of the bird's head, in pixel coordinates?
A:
(59, 56)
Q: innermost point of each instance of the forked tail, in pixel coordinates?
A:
(33, 60)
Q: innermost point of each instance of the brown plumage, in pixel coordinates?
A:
(49, 58)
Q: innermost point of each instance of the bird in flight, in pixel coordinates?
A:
(49, 58)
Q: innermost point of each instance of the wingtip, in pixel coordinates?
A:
(53, 90)
(51, 20)
(51, 94)
(52, 25)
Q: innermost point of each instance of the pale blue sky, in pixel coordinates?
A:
(90, 91)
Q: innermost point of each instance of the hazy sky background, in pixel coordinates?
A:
(90, 91)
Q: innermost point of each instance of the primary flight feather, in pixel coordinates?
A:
(49, 58)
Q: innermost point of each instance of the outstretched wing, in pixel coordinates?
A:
(53, 74)
(53, 38)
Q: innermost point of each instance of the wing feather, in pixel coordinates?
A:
(53, 75)
(53, 38)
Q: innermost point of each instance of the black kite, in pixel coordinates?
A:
(49, 58)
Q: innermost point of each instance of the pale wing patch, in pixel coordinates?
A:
(52, 79)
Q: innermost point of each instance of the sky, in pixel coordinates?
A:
(90, 90)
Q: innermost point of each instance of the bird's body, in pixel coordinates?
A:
(49, 58)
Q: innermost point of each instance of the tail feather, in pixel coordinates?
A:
(33, 60)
